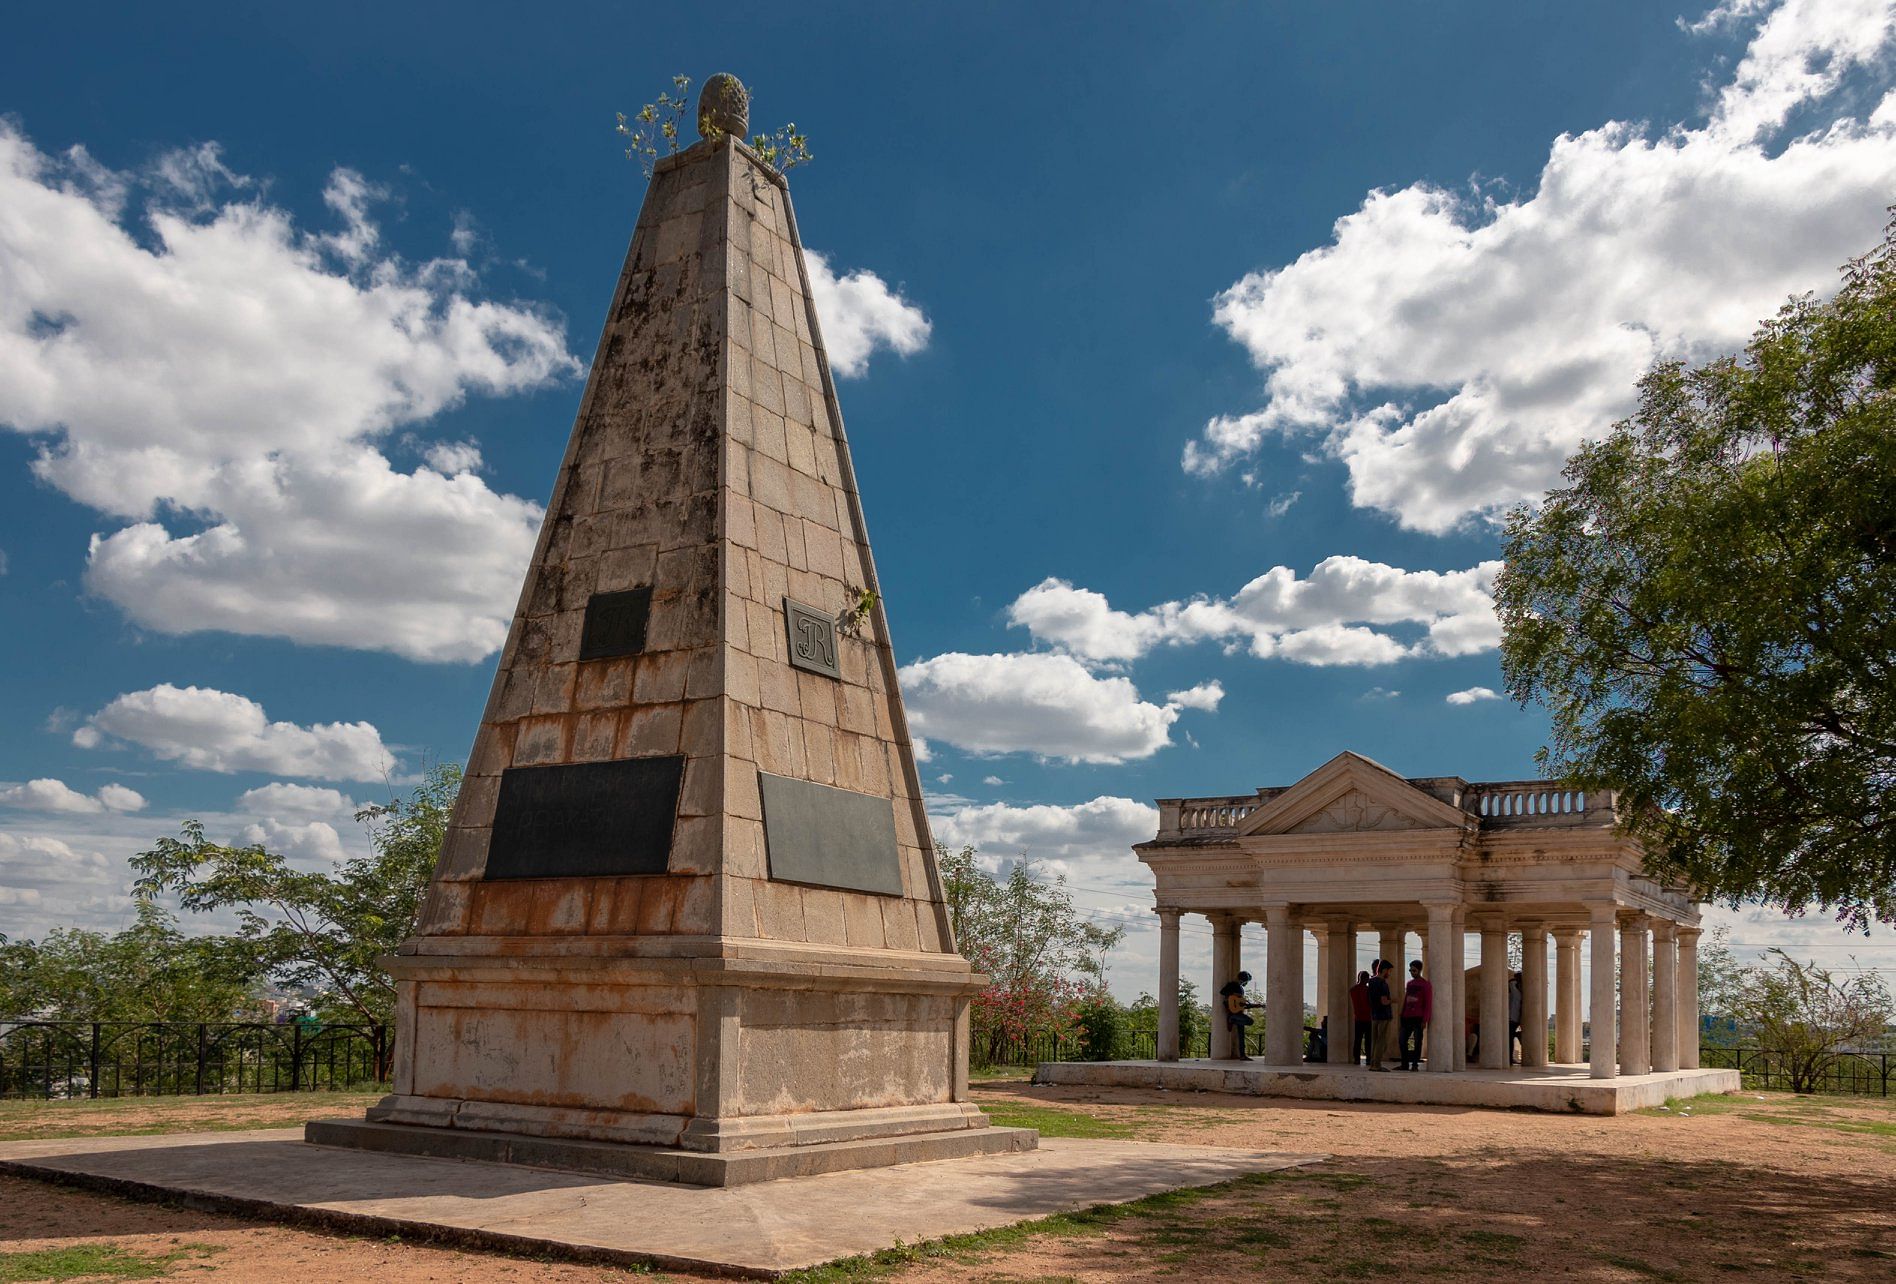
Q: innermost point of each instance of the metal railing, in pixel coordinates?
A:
(66, 1059)
(1862, 1074)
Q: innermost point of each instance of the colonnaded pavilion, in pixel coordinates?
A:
(1354, 849)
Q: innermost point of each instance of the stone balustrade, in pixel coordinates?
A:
(1525, 803)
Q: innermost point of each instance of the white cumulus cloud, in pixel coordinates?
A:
(1104, 828)
(1039, 703)
(47, 794)
(220, 382)
(1323, 619)
(861, 314)
(280, 799)
(1471, 695)
(1452, 348)
(212, 730)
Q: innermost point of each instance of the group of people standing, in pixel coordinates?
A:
(1390, 1026)
(1387, 1025)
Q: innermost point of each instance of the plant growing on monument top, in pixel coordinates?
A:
(1707, 608)
(323, 929)
(653, 131)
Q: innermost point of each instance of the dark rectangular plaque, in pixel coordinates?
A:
(585, 819)
(615, 624)
(829, 837)
(812, 639)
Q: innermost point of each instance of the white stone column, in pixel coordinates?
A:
(1494, 995)
(1665, 996)
(1277, 970)
(1603, 1045)
(1635, 996)
(1444, 1025)
(1567, 995)
(1168, 985)
(1458, 984)
(1224, 966)
(1533, 995)
(1688, 999)
(1342, 975)
(1322, 932)
(1389, 945)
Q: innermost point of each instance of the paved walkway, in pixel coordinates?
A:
(757, 1230)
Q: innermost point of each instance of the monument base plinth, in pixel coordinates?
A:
(662, 1163)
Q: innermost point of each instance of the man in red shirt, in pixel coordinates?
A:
(1418, 1002)
(1359, 1018)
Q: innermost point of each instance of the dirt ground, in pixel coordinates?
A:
(1777, 1188)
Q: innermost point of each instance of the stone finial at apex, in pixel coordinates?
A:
(723, 107)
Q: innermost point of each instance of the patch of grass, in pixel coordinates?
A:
(148, 1116)
(1494, 1241)
(1053, 1122)
(1647, 1269)
(976, 1245)
(94, 1261)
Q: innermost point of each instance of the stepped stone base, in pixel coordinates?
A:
(1559, 1089)
(657, 1163)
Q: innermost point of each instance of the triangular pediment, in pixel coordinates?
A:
(1351, 794)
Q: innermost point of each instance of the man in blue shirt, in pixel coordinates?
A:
(1381, 1012)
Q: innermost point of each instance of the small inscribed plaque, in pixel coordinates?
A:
(585, 819)
(829, 837)
(812, 639)
(615, 624)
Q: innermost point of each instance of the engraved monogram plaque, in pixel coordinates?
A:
(812, 639)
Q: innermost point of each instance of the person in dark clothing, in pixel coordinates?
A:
(1418, 1001)
(1381, 1012)
(1237, 1020)
(1359, 1018)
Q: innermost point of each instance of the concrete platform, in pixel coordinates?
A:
(661, 1163)
(758, 1230)
(1560, 1089)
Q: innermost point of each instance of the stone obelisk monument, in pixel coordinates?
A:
(687, 906)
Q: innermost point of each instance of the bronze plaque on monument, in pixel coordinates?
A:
(585, 819)
(615, 624)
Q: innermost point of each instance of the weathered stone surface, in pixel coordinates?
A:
(600, 957)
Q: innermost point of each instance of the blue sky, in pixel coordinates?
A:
(1191, 352)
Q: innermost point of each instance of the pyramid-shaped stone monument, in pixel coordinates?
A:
(687, 921)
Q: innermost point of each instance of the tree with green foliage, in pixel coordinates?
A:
(1707, 608)
(151, 971)
(325, 930)
(1044, 957)
(1194, 1018)
(1805, 1017)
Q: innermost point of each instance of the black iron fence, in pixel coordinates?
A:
(64, 1059)
(1864, 1074)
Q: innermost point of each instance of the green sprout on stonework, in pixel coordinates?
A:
(652, 131)
(784, 149)
(655, 126)
(861, 601)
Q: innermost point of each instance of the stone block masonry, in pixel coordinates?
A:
(688, 896)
